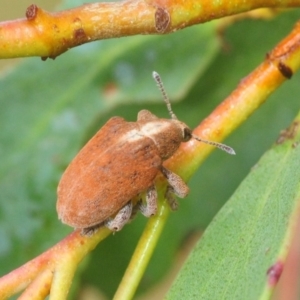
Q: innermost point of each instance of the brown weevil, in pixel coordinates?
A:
(118, 165)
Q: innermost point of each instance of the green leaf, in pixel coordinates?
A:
(250, 233)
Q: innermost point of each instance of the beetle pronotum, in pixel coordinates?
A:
(118, 165)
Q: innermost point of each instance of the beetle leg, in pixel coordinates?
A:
(149, 209)
(169, 195)
(121, 218)
(179, 186)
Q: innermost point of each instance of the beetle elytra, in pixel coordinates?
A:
(118, 165)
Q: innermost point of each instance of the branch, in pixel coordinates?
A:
(280, 64)
(53, 270)
(50, 34)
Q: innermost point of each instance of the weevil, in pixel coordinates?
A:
(118, 165)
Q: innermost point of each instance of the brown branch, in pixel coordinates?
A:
(252, 91)
(50, 34)
(54, 269)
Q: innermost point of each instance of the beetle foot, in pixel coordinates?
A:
(90, 231)
(150, 208)
(121, 218)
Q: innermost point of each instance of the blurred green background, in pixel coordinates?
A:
(50, 108)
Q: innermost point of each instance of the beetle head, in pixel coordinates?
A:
(167, 134)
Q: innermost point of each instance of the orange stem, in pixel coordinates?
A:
(50, 34)
(252, 91)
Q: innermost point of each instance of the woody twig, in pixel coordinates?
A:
(279, 65)
(47, 34)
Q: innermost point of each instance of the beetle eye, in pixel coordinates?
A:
(187, 134)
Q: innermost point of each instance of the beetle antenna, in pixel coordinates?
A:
(160, 85)
(218, 145)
